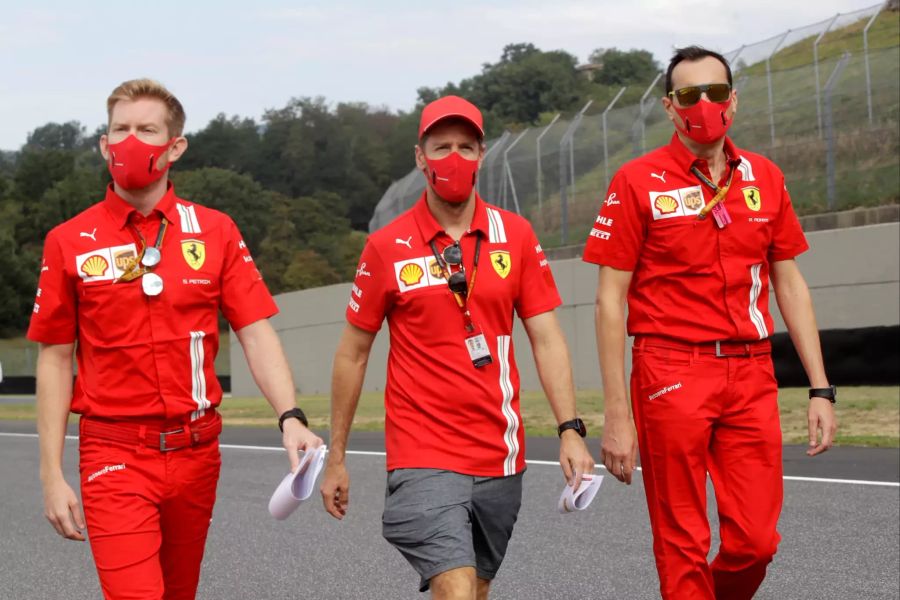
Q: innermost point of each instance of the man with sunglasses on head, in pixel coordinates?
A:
(448, 275)
(137, 280)
(688, 237)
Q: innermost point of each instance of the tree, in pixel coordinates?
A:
(229, 143)
(624, 68)
(524, 83)
(56, 136)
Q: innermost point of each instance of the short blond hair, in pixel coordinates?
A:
(148, 88)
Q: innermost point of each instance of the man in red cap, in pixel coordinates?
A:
(137, 280)
(689, 236)
(448, 275)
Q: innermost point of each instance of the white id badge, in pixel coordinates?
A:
(478, 350)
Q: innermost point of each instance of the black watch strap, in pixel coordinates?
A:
(576, 424)
(829, 393)
(294, 413)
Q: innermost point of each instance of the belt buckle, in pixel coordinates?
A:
(162, 440)
(720, 354)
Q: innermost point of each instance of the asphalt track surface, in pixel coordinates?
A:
(841, 540)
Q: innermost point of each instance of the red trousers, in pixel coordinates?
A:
(697, 413)
(147, 515)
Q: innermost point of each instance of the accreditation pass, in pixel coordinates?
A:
(478, 350)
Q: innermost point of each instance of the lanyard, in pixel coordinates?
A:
(720, 192)
(461, 299)
(139, 265)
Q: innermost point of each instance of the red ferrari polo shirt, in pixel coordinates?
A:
(442, 412)
(138, 355)
(692, 280)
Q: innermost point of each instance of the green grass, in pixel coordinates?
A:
(19, 356)
(867, 415)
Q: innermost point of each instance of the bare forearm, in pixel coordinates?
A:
(346, 385)
(268, 365)
(554, 369)
(795, 303)
(799, 316)
(610, 325)
(54, 399)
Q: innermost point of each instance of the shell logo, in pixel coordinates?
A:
(411, 274)
(666, 204)
(95, 266)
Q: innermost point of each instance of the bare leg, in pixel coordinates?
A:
(455, 584)
(484, 587)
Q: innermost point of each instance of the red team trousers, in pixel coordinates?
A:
(698, 413)
(148, 513)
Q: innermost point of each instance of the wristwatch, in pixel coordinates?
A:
(576, 424)
(294, 413)
(829, 393)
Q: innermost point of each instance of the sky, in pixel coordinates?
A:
(60, 60)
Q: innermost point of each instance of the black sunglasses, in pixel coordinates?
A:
(452, 254)
(690, 95)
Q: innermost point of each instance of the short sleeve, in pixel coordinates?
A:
(619, 231)
(788, 239)
(537, 288)
(245, 298)
(54, 318)
(370, 296)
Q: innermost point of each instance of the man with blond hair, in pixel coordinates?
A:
(137, 280)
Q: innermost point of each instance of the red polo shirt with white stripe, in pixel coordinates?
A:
(691, 280)
(145, 356)
(441, 411)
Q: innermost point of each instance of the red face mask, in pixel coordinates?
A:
(705, 122)
(452, 177)
(132, 163)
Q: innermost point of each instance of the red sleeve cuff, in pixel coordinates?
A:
(357, 321)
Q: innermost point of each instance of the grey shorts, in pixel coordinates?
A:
(441, 520)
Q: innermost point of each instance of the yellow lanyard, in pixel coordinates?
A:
(720, 192)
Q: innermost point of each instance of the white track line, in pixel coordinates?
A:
(549, 463)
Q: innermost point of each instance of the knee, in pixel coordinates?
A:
(753, 552)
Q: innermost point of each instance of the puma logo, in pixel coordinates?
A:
(407, 242)
(660, 177)
(89, 235)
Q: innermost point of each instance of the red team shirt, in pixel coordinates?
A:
(140, 356)
(441, 411)
(691, 280)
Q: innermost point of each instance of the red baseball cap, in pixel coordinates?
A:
(447, 107)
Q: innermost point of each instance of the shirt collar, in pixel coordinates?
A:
(686, 159)
(429, 227)
(121, 210)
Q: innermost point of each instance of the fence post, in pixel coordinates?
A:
(540, 173)
(644, 112)
(606, 137)
(829, 130)
(866, 59)
(568, 138)
(487, 163)
(816, 69)
(508, 172)
(769, 82)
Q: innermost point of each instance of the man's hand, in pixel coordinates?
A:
(618, 450)
(574, 457)
(821, 418)
(336, 488)
(62, 509)
(297, 437)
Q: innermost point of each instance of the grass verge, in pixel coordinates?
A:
(867, 416)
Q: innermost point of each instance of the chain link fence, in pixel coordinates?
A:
(822, 101)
